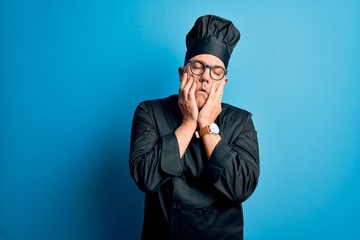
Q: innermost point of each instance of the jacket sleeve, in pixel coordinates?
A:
(153, 159)
(234, 164)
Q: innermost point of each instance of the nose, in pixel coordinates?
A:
(205, 77)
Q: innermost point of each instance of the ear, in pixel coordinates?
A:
(180, 71)
(226, 80)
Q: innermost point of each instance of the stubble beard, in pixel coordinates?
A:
(201, 98)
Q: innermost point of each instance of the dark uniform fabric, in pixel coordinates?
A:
(192, 197)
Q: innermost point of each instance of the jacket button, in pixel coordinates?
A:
(176, 207)
(205, 211)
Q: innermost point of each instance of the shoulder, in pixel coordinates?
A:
(170, 100)
(160, 108)
(233, 111)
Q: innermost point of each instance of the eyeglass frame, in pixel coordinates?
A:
(206, 66)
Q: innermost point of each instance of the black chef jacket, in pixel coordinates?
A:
(192, 197)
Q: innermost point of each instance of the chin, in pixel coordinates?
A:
(200, 103)
(200, 99)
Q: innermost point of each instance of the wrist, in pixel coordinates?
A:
(190, 124)
(212, 128)
(202, 124)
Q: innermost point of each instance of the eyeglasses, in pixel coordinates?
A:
(198, 68)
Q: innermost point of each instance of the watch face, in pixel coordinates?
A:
(214, 128)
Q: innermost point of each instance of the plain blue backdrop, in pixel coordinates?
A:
(73, 72)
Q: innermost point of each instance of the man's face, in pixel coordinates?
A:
(204, 81)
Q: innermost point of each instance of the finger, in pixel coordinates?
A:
(184, 83)
(183, 80)
(220, 89)
(193, 88)
(212, 91)
(189, 83)
(221, 86)
(186, 88)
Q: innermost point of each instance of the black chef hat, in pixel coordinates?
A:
(212, 35)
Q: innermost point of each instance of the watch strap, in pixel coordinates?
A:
(204, 130)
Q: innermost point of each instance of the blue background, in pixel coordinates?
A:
(73, 72)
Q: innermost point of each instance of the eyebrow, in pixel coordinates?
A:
(207, 64)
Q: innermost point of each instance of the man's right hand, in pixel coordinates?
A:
(187, 102)
(189, 111)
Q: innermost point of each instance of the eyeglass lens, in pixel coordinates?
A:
(198, 68)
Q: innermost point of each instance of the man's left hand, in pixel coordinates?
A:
(212, 107)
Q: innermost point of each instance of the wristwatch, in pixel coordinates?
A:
(211, 128)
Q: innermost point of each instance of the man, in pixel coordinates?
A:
(195, 157)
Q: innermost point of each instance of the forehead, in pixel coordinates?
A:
(209, 59)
